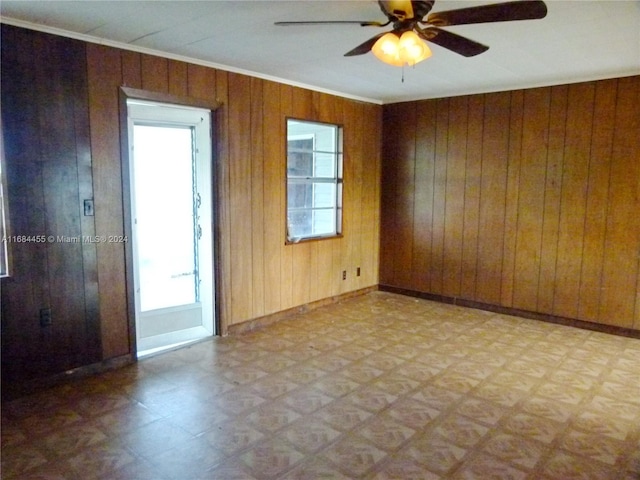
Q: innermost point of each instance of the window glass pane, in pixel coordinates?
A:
(300, 158)
(325, 165)
(300, 195)
(324, 221)
(165, 216)
(300, 223)
(314, 179)
(324, 195)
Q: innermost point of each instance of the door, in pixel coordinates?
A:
(172, 216)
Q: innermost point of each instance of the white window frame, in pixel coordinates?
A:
(313, 181)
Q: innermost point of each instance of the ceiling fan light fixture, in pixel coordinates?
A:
(400, 50)
(413, 49)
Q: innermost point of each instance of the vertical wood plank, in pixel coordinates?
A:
(423, 197)
(177, 77)
(82, 132)
(389, 244)
(531, 198)
(370, 167)
(257, 196)
(240, 233)
(512, 197)
(155, 73)
(274, 217)
(622, 241)
(104, 77)
(55, 87)
(573, 199)
(202, 82)
(597, 196)
(454, 195)
(552, 192)
(473, 170)
(439, 196)
(223, 131)
(27, 290)
(405, 151)
(495, 151)
(131, 69)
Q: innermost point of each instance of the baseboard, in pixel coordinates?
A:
(571, 322)
(261, 322)
(10, 392)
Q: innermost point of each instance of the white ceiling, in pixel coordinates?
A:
(579, 40)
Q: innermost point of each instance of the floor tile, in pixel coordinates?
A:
(377, 387)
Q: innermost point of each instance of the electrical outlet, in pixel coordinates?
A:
(358, 272)
(45, 317)
(88, 208)
(344, 274)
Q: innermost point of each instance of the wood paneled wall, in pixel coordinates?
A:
(527, 199)
(260, 275)
(48, 167)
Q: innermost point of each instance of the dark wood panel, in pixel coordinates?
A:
(622, 240)
(131, 69)
(46, 135)
(454, 195)
(573, 199)
(178, 78)
(54, 92)
(389, 245)
(104, 69)
(473, 175)
(27, 290)
(404, 195)
(155, 73)
(531, 199)
(495, 152)
(597, 199)
(439, 192)
(423, 195)
(552, 188)
(543, 176)
(512, 196)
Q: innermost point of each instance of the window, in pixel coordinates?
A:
(314, 180)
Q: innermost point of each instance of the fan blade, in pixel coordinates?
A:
(499, 12)
(333, 22)
(453, 41)
(364, 47)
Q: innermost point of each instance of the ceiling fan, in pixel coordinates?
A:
(413, 16)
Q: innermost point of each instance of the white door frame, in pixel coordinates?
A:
(158, 113)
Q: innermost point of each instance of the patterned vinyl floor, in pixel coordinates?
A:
(376, 387)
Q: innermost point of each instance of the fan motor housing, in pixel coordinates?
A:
(405, 10)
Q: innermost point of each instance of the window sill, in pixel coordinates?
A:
(312, 239)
